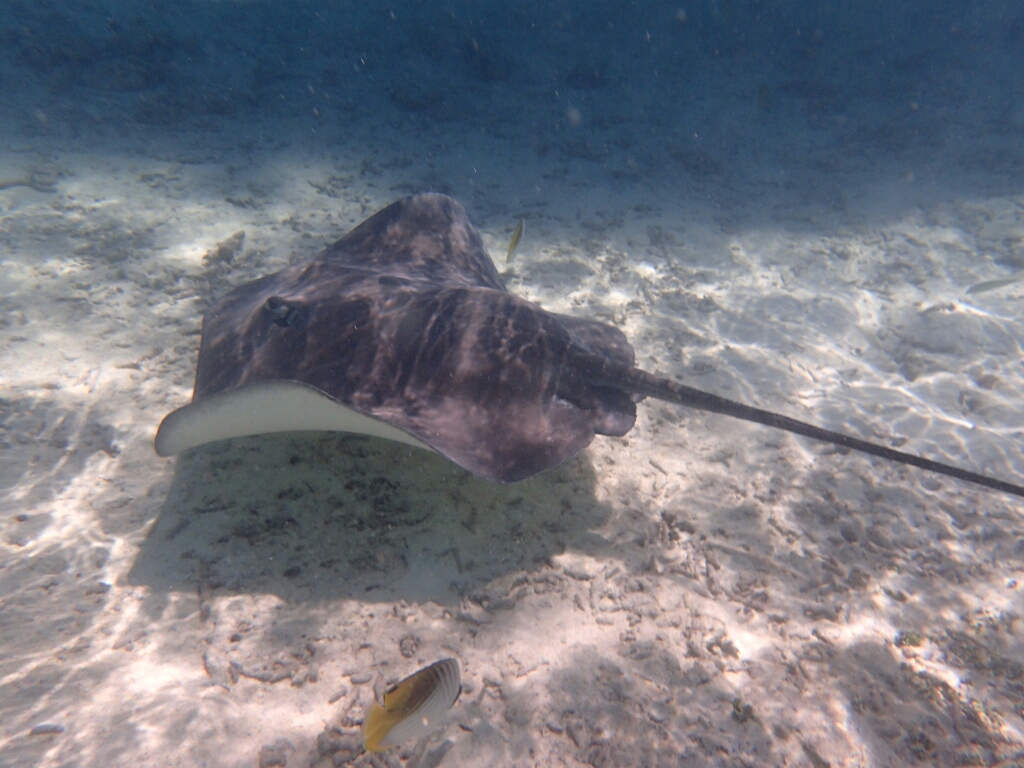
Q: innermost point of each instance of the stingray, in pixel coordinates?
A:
(404, 330)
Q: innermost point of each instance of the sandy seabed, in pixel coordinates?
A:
(701, 592)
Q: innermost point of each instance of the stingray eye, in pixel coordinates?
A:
(282, 313)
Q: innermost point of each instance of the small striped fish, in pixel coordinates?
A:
(413, 707)
(516, 237)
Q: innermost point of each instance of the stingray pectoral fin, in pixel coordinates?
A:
(264, 407)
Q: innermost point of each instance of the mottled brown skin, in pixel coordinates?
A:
(406, 319)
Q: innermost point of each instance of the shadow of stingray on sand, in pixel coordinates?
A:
(310, 517)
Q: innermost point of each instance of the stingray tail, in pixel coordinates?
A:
(599, 371)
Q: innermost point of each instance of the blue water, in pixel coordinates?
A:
(684, 94)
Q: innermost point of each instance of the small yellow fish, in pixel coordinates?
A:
(413, 707)
(516, 237)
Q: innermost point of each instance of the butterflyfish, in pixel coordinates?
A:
(413, 707)
(516, 237)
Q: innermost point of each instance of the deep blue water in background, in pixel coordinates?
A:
(635, 89)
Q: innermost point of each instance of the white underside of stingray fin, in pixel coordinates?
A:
(271, 406)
